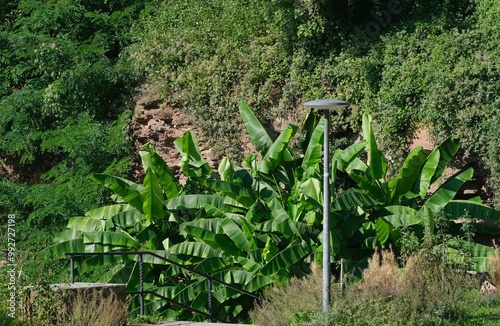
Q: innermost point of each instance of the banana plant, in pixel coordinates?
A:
(377, 209)
(250, 226)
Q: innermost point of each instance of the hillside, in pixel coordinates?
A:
(85, 84)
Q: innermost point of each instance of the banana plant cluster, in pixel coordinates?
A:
(260, 223)
(251, 226)
(376, 211)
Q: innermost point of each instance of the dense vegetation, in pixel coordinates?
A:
(69, 70)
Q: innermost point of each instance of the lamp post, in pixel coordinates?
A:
(326, 106)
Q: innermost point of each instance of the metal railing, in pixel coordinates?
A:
(142, 292)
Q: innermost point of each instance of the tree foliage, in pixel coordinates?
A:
(62, 102)
(408, 63)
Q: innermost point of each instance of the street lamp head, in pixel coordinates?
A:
(328, 105)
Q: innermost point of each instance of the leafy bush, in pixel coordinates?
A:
(431, 65)
(62, 105)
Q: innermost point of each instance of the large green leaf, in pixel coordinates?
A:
(107, 212)
(346, 156)
(447, 151)
(67, 246)
(128, 218)
(401, 216)
(353, 198)
(216, 240)
(368, 185)
(312, 189)
(426, 176)
(151, 159)
(376, 160)
(409, 174)
(212, 264)
(234, 232)
(274, 154)
(383, 229)
(123, 188)
(285, 258)
(281, 220)
(153, 197)
(471, 209)
(224, 203)
(446, 192)
(226, 169)
(192, 164)
(257, 132)
(312, 156)
(240, 193)
(478, 252)
(194, 249)
(84, 223)
(110, 238)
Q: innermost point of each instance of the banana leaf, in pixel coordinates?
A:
(67, 246)
(447, 151)
(273, 156)
(153, 198)
(285, 258)
(368, 185)
(151, 159)
(474, 210)
(344, 157)
(110, 238)
(234, 232)
(312, 156)
(224, 203)
(353, 198)
(192, 164)
(422, 185)
(84, 224)
(376, 160)
(190, 249)
(257, 132)
(401, 216)
(123, 188)
(446, 192)
(409, 174)
(245, 196)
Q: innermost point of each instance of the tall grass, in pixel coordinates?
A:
(47, 307)
(425, 291)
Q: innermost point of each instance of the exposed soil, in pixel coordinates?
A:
(159, 125)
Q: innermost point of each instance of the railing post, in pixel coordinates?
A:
(141, 285)
(210, 297)
(72, 267)
(342, 276)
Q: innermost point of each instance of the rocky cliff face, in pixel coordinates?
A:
(159, 125)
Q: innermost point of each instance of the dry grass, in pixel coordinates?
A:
(285, 305)
(50, 308)
(494, 264)
(93, 309)
(382, 277)
(426, 291)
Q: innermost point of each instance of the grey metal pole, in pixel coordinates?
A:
(326, 214)
(326, 106)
